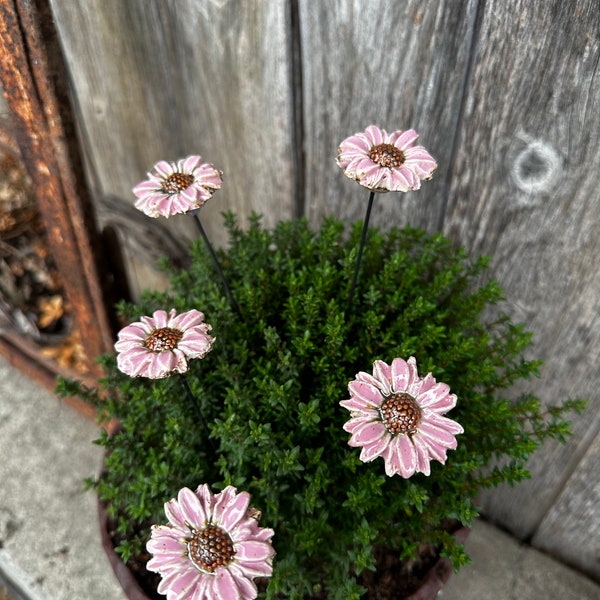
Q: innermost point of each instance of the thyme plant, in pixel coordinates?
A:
(270, 389)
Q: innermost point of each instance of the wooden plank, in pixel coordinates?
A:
(162, 80)
(525, 191)
(569, 530)
(398, 65)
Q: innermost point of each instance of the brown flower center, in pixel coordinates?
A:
(210, 548)
(177, 182)
(163, 339)
(400, 413)
(387, 155)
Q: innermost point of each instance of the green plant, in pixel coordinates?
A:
(271, 387)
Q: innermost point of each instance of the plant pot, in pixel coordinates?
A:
(132, 588)
(438, 575)
(433, 581)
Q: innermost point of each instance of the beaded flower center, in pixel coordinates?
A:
(177, 182)
(210, 548)
(387, 155)
(400, 414)
(163, 339)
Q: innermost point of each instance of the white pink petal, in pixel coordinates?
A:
(230, 513)
(365, 393)
(367, 433)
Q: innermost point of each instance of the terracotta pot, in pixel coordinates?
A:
(439, 574)
(432, 583)
(125, 577)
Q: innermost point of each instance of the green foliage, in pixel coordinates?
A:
(271, 386)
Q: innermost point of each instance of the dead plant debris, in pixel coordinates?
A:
(32, 300)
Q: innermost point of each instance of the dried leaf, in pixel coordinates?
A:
(50, 310)
(68, 354)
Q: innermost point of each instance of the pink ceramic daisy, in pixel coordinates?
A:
(385, 162)
(212, 548)
(398, 415)
(177, 187)
(162, 344)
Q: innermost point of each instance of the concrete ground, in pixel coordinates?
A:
(50, 545)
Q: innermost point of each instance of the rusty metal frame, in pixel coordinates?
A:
(74, 241)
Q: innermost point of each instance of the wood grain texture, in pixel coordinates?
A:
(571, 529)
(399, 65)
(525, 192)
(162, 80)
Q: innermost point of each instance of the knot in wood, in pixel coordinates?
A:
(387, 155)
(163, 339)
(210, 548)
(536, 167)
(400, 414)
(177, 182)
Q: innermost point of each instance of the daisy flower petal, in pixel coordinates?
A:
(385, 162)
(242, 550)
(158, 346)
(397, 415)
(177, 187)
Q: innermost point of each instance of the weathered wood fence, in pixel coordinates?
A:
(505, 94)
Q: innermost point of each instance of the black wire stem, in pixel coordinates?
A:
(197, 410)
(213, 256)
(363, 239)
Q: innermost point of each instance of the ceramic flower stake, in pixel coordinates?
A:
(182, 187)
(397, 415)
(383, 162)
(162, 345)
(212, 548)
